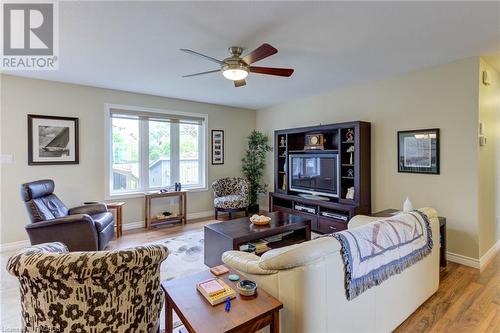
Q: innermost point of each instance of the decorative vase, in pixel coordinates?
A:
(407, 205)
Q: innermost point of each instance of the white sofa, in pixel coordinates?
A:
(309, 279)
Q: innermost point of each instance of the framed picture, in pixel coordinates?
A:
(418, 151)
(52, 140)
(217, 147)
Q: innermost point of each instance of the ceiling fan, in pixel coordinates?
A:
(237, 68)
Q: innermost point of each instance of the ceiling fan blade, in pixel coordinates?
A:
(263, 51)
(272, 71)
(239, 83)
(203, 56)
(202, 73)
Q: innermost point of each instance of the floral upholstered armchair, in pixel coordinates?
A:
(231, 195)
(105, 291)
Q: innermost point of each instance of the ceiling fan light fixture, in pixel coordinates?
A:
(236, 68)
(235, 72)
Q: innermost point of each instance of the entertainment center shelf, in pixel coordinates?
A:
(331, 161)
(319, 223)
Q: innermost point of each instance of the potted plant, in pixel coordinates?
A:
(253, 166)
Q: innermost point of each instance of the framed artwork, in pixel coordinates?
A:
(217, 147)
(418, 151)
(52, 140)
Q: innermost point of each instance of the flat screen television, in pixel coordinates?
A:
(315, 174)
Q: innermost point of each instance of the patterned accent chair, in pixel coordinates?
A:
(94, 292)
(231, 194)
(83, 228)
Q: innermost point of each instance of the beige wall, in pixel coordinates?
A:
(489, 97)
(445, 97)
(85, 181)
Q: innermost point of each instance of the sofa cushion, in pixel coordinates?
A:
(102, 220)
(360, 220)
(299, 254)
(230, 201)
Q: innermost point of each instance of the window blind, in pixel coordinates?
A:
(165, 117)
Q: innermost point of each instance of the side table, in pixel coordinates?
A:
(181, 217)
(247, 314)
(117, 206)
(442, 232)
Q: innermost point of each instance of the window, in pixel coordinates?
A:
(125, 136)
(159, 154)
(189, 137)
(153, 149)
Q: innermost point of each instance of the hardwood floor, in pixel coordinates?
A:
(142, 236)
(467, 300)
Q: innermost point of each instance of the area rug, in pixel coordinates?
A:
(185, 258)
(186, 255)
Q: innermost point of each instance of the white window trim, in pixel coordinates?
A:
(108, 150)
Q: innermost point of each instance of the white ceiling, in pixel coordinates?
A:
(135, 46)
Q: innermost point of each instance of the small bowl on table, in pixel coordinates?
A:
(246, 288)
(260, 219)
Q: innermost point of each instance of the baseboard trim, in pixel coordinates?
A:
(463, 260)
(480, 263)
(190, 216)
(14, 246)
(133, 225)
(199, 215)
(488, 256)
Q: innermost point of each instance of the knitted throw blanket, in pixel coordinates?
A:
(375, 251)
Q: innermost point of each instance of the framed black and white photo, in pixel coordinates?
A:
(217, 147)
(418, 151)
(52, 140)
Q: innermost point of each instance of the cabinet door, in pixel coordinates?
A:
(328, 226)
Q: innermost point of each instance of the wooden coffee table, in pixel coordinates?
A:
(230, 235)
(247, 314)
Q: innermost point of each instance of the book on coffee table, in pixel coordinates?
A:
(219, 270)
(260, 246)
(215, 291)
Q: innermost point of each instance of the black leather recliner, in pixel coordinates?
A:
(83, 228)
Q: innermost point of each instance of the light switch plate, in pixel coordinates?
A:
(482, 129)
(486, 78)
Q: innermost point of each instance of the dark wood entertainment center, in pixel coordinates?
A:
(350, 141)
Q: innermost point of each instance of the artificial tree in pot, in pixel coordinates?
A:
(254, 164)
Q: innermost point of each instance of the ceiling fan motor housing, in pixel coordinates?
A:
(235, 51)
(234, 68)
